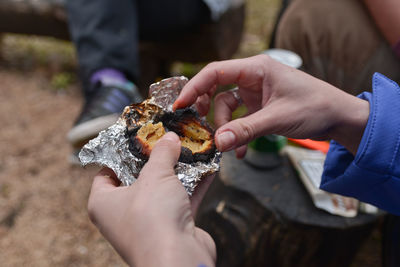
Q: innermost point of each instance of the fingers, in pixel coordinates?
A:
(241, 151)
(203, 105)
(164, 156)
(241, 131)
(199, 193)
(225, 104)
(105, 179)
(203, 102)
(243, 72)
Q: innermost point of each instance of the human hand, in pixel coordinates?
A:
(151, 222)
(280, 100)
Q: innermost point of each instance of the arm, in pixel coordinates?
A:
(386, 14)
(362, 161)
(373, 175)
(151, 222)
(281, 100)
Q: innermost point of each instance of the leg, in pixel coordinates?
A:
(338, 41)
(105, 34)
(169, 19)
(106, 37)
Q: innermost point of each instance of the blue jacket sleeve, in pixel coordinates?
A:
(373, 175)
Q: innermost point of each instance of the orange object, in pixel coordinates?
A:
(322, 146)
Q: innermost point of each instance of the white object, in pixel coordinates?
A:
(310, 164)
(286, 57)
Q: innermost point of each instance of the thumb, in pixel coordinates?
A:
(165, 154)
(241, 131)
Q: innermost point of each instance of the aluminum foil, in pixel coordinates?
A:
(111, 147)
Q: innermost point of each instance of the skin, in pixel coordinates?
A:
(155, 214)
(280, 99)
(151, 222)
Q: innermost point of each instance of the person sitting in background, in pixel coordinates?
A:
(151, 223)
(107, 34)
(343, 42)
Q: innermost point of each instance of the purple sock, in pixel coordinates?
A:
(108, 76)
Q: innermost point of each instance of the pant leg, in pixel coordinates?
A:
(338, 41)
(105, 34)
(163, 20)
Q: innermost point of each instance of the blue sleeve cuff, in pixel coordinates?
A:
(373, 175)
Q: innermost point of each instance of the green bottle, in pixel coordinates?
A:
(264, 152)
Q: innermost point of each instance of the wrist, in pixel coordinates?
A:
(179, 249)
(152, 250)
(351, 119)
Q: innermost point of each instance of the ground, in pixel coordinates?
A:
(43, 216)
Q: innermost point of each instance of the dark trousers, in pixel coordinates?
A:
(107, 33)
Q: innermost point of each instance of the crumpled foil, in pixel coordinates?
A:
(111, 147)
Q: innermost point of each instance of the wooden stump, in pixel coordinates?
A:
(266, 218)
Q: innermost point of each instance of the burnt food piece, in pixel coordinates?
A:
(196, 136)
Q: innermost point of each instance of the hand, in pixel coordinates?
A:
(151, 222)
(280, 100)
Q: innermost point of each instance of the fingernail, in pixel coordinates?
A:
(171, 136)
(226, 141)
(175, 105)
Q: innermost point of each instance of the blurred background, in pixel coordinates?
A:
(43, 217)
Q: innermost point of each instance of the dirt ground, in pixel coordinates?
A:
(43, 217)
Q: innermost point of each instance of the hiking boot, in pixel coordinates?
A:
(101, 110)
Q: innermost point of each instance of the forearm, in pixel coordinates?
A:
(386, 14)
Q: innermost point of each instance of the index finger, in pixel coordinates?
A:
(242, 72)
(105, 180)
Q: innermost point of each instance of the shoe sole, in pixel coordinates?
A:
(73, 158)
(90, 128)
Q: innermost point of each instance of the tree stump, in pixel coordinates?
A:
(266, 218)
